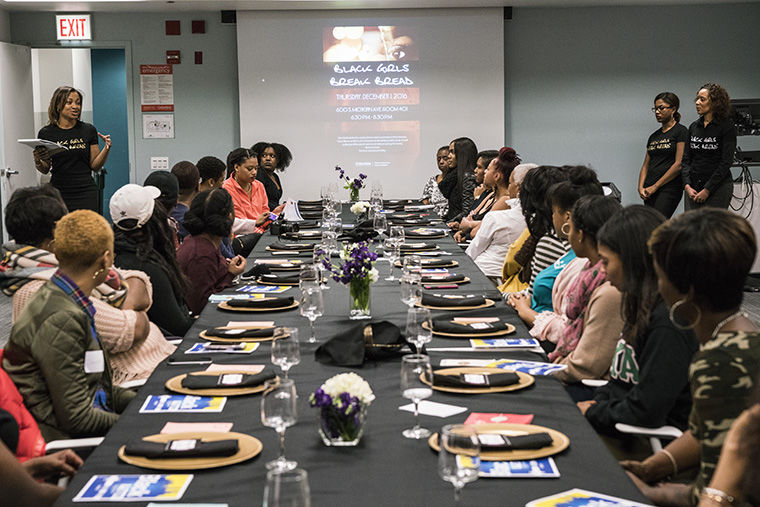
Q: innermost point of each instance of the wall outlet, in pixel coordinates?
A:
(159, 163)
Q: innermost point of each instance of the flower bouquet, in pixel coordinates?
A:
(357, 272)
(342, 402)
(361, 210)
(353, 186)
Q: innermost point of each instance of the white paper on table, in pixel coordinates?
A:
(246, 324)
(467, 362)
(470, 320)
(178, 427)
(253, 369)
(434, 408)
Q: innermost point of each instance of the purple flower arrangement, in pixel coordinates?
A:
(354, 185)
(357, 263)
(342, 402)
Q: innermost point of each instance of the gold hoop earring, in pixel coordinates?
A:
(683, 322)
(97, 273)
(565, 232)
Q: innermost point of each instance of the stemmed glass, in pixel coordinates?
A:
(285, 349)
(393, 251)
(288, 488)
(308, 276)
(411, 290)
(329, 242)
(278, 411)
(419, 327)
(459, 457)
(415, 368)
(317, 259)
(312, 307)
(379, 223)
(397, 233)
(412, 266)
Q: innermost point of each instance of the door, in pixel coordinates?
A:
(16, 122)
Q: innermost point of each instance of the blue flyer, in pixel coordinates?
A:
(536, 468)
(582, 498)
(171, 403)
(531, 367)
(518, 343)
(133, 488)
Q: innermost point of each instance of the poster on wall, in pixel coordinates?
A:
(158, 126)
(156, 88)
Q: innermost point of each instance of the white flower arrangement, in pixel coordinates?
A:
(349, 383)
(374, 275)
(359, 208)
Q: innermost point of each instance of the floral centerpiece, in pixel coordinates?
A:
(342, 402)
(352, 185)
(357, 272)
(361, 210)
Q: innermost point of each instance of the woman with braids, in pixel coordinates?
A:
(660, 182)
(649, 381)
(458, 185)
(143, 243)
(710, 151)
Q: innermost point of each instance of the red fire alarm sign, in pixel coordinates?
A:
(173, 57)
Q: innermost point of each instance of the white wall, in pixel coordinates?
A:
(52, 68)
(580, 81)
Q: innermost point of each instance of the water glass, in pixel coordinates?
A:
(419, 327)
(392, 250)
(411, 290)
(335, 225)
(286, 351)
(322, 275)
(380, 223)
(278, 411)
(412, 265)
(397, 233)
(415, 368)
(329, 242)
(459, 457)
(308, 276)
(312, 307)
(288, 488)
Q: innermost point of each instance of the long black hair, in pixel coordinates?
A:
(581, 181)
(591, 212)
(467, 157)
(210, 212)
(535, 207)
(626, 233)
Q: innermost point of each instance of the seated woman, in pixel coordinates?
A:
(561, 197)
(458, 185)
(272, 157)
(499, 229)
(54, 354)
(208, 220)
(702, 259)
(494, 185)
(212, 171)
(142, 244)
(431, 194)
(649, 375)
(134, 344)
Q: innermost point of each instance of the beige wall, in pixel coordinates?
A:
(5, 26)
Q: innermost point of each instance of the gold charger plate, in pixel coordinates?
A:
(510, 329)
(248, 447)
(455, 282)
(488, 303)
(219, 339)
(174, 384)
(560, 442)
(224, 306)
(525, 380)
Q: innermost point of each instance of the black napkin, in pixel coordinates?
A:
(280, 278)
(435, 263)
(418, 245)
(358, 234)
(256, 270)
(220, 332)
(307, 224)
(494, 380)
(440, 301)
(310, 203)
(413, 234)
(160, 450)
(279, 245)
(311, 214)
(301, 235)
(268, 302)
(446, 325)
(215, 381)
(518, 442)
(442, 279)
(375, 341)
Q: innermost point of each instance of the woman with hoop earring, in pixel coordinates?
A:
(723, 373)
(649, 380)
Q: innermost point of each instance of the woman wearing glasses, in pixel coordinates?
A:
(660, 183)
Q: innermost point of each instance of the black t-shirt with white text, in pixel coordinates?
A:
(661, 148)
(709, 153)
(70, 168)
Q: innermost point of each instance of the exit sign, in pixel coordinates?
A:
(73, 27)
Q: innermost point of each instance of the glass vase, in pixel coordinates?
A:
(354, 195)
(341, 430)
(358, 290)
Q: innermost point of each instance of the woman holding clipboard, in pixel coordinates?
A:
(72, 168)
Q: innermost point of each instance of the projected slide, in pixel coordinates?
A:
(374, 91)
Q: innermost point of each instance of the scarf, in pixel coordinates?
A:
(23, 263)
(577, 297)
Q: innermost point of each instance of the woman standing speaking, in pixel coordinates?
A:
(72, 168)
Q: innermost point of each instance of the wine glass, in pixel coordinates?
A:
(336, 225)
(285, 349)
(393, 251)
(419, 328)
(317, 259)
(397, 233)
(329, 242)
(278, 411)
(415, 368)
(412, 265)
(312, 307)
(459, 457)
(289, 488)
(308, 276)
(411, 290)
(380, 223)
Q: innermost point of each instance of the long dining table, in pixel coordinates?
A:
(384, 468)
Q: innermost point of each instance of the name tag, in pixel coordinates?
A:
(94, 362)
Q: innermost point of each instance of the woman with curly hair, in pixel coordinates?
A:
(208, 220)
(706, 166)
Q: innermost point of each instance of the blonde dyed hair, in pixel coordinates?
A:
(81, 237)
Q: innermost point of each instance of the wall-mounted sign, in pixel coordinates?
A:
(73, 27)
(157, 88)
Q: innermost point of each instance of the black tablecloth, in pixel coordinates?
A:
(385, 468)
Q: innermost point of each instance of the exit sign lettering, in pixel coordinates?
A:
(73, 27)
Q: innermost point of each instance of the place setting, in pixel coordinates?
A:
(252, 331)
(280, 246)
(280, 264)
(418, 246)
(454, 302)
(264, 303)
(286, 279)
(477, 380)
(298, 235)
(220, 382)
(428, 233)
(471, 327)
